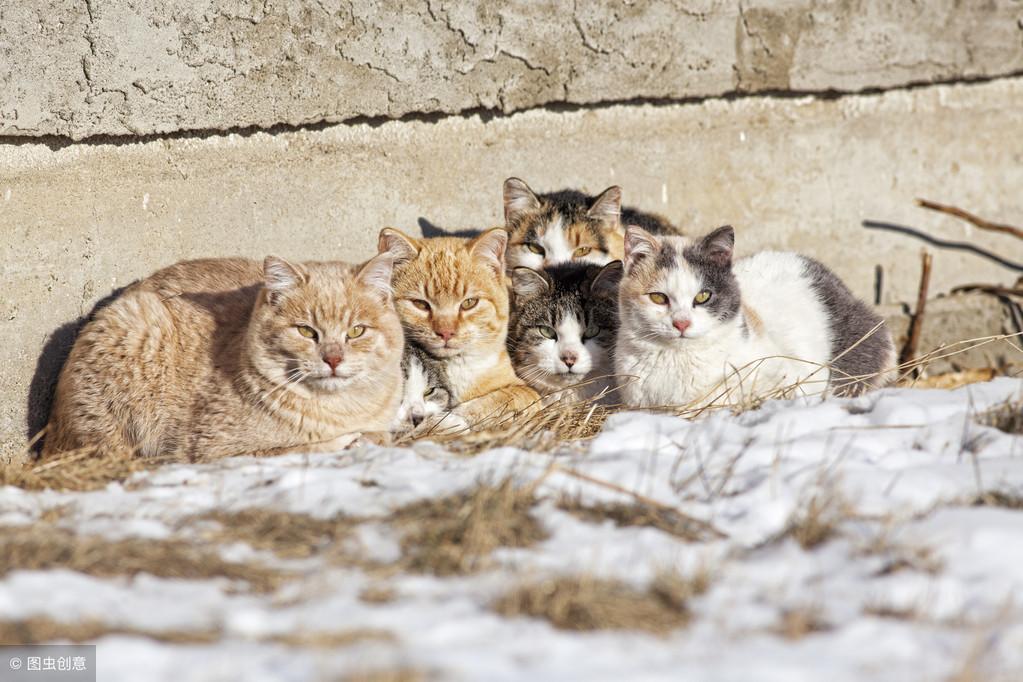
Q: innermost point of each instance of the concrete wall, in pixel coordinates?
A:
(110, 67)
(93, 196)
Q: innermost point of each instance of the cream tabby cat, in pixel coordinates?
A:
(220, 357)
(453, 302)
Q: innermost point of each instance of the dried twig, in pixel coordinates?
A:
(913, 342)
(970, 218)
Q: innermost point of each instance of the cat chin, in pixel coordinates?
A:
(327, 384)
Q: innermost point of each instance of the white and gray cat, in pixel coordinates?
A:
(427, 394)
(696, 328)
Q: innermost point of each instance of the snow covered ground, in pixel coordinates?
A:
(849, 549)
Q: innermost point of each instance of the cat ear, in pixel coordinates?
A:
(717, 246)
(280, 277)
(489, 247)
(527, 282)
(395, 242)
(605, 282)
(607, 207)
(376, 274)
(638, 245)
(518, 199)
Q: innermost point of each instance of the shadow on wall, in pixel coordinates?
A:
(431, 229)
(48, 366)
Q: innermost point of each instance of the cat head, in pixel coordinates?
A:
(676, 288)
(450, 292)
(564, 323)
(562, 227)
(325, 327)
(424, 395)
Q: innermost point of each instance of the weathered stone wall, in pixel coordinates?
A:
(114, 67)
(113, 162)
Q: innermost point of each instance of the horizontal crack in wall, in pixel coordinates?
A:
(56, 142)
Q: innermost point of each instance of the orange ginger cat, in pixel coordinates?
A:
(452, 297)
(219, 357)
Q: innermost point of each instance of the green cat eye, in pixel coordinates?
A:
(582, 251)
(306, 331)
(659, 298)
(356, 331)
(469, 303)
(547, 332)
(702, 297)
(591, 331)
(420, 303)
(535, 248)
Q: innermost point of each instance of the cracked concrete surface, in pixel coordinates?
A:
(104, 67)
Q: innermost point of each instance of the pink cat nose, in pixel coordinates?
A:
(445, 334)
(569, 358)
(680, 325)
(332, 359)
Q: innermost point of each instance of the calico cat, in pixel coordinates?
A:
(220, 357)
(696, 328)
(563, 327)
(452, 298)
(427, 395)
(569, 226)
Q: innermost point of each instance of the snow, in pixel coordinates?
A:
(905, 463)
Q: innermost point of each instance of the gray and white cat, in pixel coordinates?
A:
(694, 328)
(563, 325)
(426, 396)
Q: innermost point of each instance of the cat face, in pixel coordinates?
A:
(324, 327)
(450, 292)
(675, 289)
(561, 229)
(564, 324)
(424, 396)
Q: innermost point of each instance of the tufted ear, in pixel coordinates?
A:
(527, 283)
(401, 246)
(638, 245)
(605, 282)
(518, 199)
(718, 245)
(489, 247)
(376, 274)
(281, 277)
(607, 207)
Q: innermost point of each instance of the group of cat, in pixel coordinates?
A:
(575, 296)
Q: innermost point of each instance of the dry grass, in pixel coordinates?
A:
(885, 610)
(378, 594)
(636, 514)
(817, 521)
(456, 534)
(44, 547)
(332, 639)
(799, 622)
(395, 675)
(288, 535)
(999, 498)
(1007, 417)
(589, 603)
(41, 629)
(77, 470)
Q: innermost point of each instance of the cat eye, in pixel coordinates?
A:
(547, 332)
(469, 303)
(420, 303)
(659, 298)
(430, 391)
(356, 331)
(535, 248)
(702, 297)
(582, 251)
(307, 331)
(591, 331)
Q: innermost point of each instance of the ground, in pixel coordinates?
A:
(874, 538)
